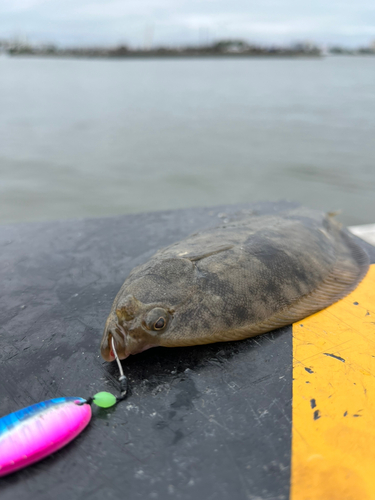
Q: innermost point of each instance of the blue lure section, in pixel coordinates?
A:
(13, 419)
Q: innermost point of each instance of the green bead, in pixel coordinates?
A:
(104, 399)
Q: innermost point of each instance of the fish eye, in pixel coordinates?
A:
(159, 325)
(156, 319)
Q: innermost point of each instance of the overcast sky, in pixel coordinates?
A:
(145, 22)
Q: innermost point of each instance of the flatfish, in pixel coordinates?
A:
(237, 280)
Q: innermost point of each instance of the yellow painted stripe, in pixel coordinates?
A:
(333, 441)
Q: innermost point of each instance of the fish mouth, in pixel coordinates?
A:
(124, 344)
(119, 338)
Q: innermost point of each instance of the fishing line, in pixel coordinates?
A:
(122, 378)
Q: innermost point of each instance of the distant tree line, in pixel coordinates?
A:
(231, 47)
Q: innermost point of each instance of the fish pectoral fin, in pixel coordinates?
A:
(213, 251)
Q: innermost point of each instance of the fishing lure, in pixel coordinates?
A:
(33, 433)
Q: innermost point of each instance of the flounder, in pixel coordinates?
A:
(235, 281)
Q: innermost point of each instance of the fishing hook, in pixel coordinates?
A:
(122, 378)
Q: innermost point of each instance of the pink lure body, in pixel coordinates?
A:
(35, 432)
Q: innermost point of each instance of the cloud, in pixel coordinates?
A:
(357, 30)
(15, 6)
(179, 21)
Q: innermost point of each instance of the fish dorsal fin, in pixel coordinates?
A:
(334, 213)
(194, 256)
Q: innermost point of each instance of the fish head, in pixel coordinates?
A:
(146, 310)
(134, 327)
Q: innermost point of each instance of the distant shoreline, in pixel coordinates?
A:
(221, 49)
(140, 55)
(182, 55)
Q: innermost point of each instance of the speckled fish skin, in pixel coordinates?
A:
(235, 281)
(31, 434)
